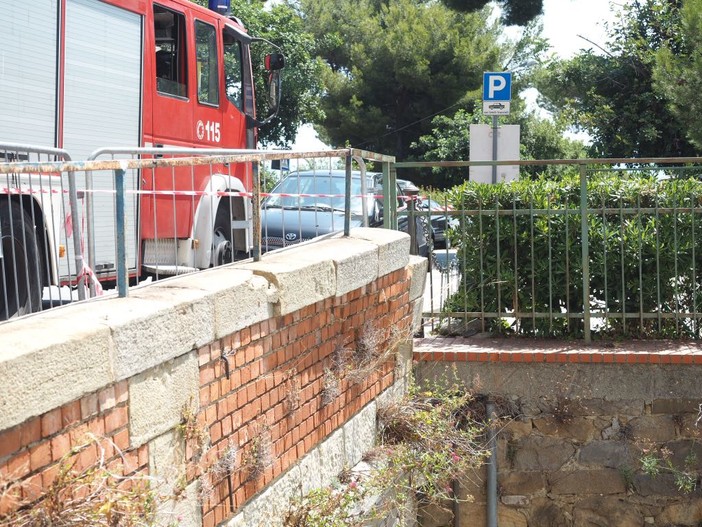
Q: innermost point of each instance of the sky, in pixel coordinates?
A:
(563, 21)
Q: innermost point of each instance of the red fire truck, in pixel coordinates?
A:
(84, 74)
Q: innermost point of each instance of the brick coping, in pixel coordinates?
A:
(482, 349)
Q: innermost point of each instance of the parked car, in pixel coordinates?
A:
(305, 205)
(438, 219)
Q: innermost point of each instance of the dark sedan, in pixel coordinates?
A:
(305, 205)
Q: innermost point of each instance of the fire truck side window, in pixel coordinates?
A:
(169, 29)
(207, 69)
(233, 69)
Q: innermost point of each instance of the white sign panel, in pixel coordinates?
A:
(481, 150)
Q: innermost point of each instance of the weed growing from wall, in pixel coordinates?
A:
(659, 461)
(426, 442)
(95, 496)
(258, 454)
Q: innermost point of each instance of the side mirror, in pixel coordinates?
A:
(275, 61)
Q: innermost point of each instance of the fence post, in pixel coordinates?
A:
(256, 220)
(585, 253)
(120, 219)
(347, 197)
(75, 232)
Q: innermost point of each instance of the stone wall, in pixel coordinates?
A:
(219, 387)
(575, 428)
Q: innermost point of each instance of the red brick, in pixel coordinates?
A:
(30, 431)
(31, 488)
(115, 419)
(60, 446)
(40, 456)
(48, 476)
(143, 455)
(71, 413)
(51, 422)
(107, 399)
(89, 405)
(10, 441)
(122, 392)
(121, 439)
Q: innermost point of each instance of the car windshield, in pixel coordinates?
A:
(315, 191)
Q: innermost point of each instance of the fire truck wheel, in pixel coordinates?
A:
(20, 290)
(222, 236)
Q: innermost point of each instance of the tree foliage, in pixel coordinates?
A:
(678, 71)
(514, 12)
(612, 96)
(392, 65)
(281, 25)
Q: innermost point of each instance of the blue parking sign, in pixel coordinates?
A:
(497, 93)
(497, 86)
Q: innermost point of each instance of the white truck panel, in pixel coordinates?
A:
(102, 107)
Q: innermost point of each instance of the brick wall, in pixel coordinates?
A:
(214, 385)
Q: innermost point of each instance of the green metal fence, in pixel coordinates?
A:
(603, 248)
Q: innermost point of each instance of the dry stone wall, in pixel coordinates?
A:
(573, 434)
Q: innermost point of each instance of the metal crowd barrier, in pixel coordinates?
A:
(135, 213)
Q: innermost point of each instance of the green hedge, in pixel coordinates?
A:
(644, 255)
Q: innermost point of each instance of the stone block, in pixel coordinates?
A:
(583, 482)
(515, 500)
(541, 453)
(157, 397)
(418, 274)
(605, 510)
(240, 298)
(393, 247)
(521, 482)
(186, 511)
(471, 514)
(436, 515)
(270, 507)
(574, 428)
(686, 452)
(675, 406)
(300, 279)
(606, 407)
(610, 454)
(51, 359)
(655, 428)
(157, 324)
(166, 461)
(472, 487)
(656, 486)
(332, 457)
(310, 477)
(359, 434)
(681, 512)
(545, 512)
(518, 428)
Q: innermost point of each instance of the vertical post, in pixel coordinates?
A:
(388, 210)
(347, 197)
(585, 253)
(77, 249)
(120, 220)
(256, 212)
(494, 148)
(491, 469)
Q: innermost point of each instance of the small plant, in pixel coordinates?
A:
(331, 387)
(292, 391)
(657, 461)
(258, 455)
(371, 350)
(193, 433)
(227, 463)
(562, 411)
(94, 496)
(627, 474)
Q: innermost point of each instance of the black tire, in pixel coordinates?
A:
(222, 246)
(20, 278)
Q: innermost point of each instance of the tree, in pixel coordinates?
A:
(612, 96)
(514, 12)
(392, 65)
(302, 75)
(678, 71)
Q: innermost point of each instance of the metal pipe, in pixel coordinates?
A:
(492, 469)
(494, 148)
(585, 254)
(347, 197)
(120, 219)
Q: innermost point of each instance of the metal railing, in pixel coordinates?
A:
(133, 213)
(609, 251)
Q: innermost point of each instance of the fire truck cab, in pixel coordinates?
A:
(85, 74)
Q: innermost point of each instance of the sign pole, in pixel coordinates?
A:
(494, 148)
